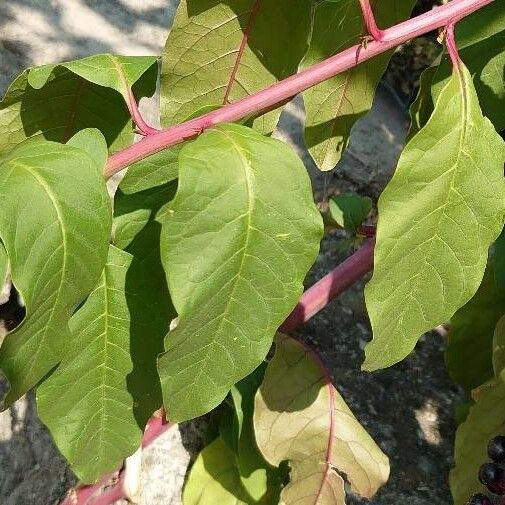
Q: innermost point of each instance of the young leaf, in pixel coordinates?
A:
(55, 223)
(485, 420)
(437, 218)
(237, 242)
(349, 210)
(300, 417)
(65, 102)
(218, 52)
(95, 404)
(470, 340)
(215, 478)
(333, 106)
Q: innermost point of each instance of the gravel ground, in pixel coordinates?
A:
(407, 408)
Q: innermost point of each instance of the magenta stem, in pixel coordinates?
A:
(283, 90)
(369, 18)
(452, 48)
(142, 127)
(330, 286)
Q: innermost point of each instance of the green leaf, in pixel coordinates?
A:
(437, 218)
(55, 223)
(470, 340)
(218, 52)
(481, 25)
(300, 417)
(422, 107)
(237, 242)
(499, 263)
(215, 478)
(499, 347)
(65, 102)
(485, 420)
(349, 210)
(333, 106)
(488, 73)
(119, 73)
(98, 400)
(4, 265)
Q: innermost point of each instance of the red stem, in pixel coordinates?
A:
(142, 127)
(371, 24)
(283, 90)
(330, 286)
(452, 48)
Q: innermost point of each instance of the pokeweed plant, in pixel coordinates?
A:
(168, 302)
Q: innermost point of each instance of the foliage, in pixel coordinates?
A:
(173, 295)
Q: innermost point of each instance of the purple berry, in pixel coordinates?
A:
(479, 499)
(496, 449)
(493, 477)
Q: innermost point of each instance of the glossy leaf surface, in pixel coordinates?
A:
(300, 417)
(55, 223)
(235, 258)
(437, 218)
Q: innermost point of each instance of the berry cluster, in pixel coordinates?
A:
(492, 475)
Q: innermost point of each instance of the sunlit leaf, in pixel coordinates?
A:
(437, 218)
(55, 223)
(235, 258)
(300, 417)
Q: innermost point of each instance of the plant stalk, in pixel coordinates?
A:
(287, 88)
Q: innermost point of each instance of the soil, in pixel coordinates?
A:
(407, 408)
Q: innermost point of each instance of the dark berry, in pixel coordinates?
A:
(479, 499)
(496, 449)
(493, 477)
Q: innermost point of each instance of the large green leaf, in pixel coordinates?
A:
(69, 98)
(215, 479)
(481, 25)
(333, 106)
(486, 64)
(485, 420)
(55, 223)
(238, 240)
(99, 398)
(470, 340)
(437, 218)
(300, 417)
(218, 52)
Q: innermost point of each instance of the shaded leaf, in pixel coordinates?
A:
(499, 263)
(218, 52)
(485, 420)
(333, 106)
(499, 346)
(235, 258)
(481, 25)
(65, 102)
(215, 478)
(4, 265)
(94, 403)
(437, 218)
(300, 417)
(349, 210)
(470, 340)
(55, 223)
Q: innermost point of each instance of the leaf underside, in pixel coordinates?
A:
(437, 218)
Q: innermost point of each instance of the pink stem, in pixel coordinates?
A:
(142, 126)
(452, 48)
(371, 24)
(283, 90)
(330, 286)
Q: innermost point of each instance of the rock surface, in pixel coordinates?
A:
(408, 408)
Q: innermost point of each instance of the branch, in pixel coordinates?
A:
(369, 18)
(283, 90)
(330, 286)
(142, 127)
